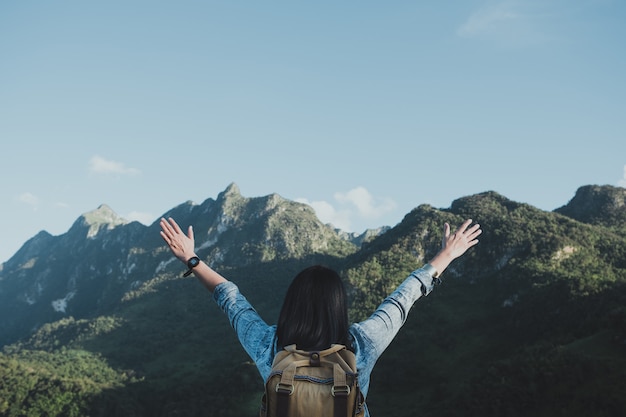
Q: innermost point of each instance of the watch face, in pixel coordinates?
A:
(193, 262)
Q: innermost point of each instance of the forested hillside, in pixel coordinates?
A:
(531, 322)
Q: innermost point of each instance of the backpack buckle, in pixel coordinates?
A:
(285, 388)
(341, 390)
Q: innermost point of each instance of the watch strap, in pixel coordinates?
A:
(191, 264)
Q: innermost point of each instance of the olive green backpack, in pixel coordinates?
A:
(313, 384)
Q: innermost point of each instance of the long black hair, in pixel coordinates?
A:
(315, 312)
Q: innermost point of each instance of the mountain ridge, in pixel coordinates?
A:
(54, 270)
(226, 218)
(541, 291)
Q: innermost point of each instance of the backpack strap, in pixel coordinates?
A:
(340, 391)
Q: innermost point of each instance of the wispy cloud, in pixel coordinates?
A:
(29, 199)
(511, 22)
(355, 205)
(102, 166)
(489, 20)
(622, 182)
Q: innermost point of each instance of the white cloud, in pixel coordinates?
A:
(622, 182)
(367, 207)
(350, 207)
(329, 214)
(99, 165)
(141, 217)
(29, 199)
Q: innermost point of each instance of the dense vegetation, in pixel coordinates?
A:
(532, 322)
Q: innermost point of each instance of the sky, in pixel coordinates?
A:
(362, 109)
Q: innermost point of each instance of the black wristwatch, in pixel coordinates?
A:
(191, 264)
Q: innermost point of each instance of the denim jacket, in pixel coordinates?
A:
(370, 337)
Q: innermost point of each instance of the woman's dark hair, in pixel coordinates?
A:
(315, 312)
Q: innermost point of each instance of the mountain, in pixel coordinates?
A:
(77, 273)
(532, 321)
(86, 271)
(598, 205)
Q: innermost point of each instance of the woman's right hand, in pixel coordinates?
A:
(456, 244)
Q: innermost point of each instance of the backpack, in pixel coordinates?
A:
(313, 384)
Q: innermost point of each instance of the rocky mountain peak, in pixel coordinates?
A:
(231, 191)
(599, 205)
(101, 218)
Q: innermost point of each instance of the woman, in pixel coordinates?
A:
(323, 319)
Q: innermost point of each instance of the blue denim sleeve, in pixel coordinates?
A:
(374, 335)
(256, 337)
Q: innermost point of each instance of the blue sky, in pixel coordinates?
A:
(364, 109)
